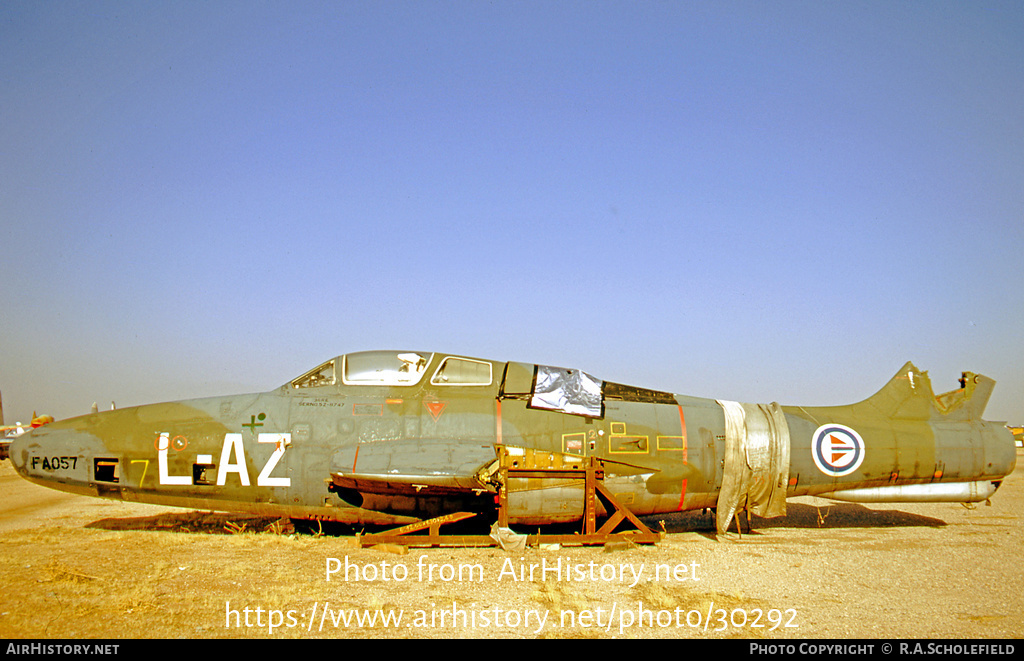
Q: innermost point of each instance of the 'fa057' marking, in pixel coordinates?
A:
(232, 460)
(54, 463)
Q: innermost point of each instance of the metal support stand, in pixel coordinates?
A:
(537, 467)
(407, 535)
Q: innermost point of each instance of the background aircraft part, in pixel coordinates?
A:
(756, 461)
(9, 432)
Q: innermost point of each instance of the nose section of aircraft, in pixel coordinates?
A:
(60, 456)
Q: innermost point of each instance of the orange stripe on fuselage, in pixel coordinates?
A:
(499, 422)
(682, 425)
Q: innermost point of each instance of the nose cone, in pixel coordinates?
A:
(58, 456)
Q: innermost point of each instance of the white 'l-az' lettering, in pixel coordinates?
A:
(233, 446)
(232, 460)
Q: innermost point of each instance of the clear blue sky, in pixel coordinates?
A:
(760, 201)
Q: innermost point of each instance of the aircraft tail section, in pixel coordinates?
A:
(909, 396)
(969, 401)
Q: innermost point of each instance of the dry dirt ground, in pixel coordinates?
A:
(76, 567)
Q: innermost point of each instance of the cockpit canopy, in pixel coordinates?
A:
(543, 387)
(395, 368)
(384, 368)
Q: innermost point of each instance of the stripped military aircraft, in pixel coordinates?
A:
(400, 436)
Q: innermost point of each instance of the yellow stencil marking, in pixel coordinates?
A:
(144, 468)
(672, 443)
(573, 443)
(620, 443)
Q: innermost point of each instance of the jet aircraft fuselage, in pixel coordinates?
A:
(393, 436)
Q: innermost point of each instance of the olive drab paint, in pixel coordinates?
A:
(396, 436)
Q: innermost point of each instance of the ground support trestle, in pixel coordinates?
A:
(535, 467)
(407, 535)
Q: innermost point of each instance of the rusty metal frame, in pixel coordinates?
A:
(406, 535)
(592, 472)
(588, 469)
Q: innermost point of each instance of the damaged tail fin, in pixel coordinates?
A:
(968, 402)
(909, 396)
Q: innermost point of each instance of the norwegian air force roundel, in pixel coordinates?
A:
(837, 449)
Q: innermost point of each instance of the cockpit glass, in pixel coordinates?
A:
(384, 368)
(462, 372)
(322, 375)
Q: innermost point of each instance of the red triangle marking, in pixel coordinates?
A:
(839, 441)
(845, 447)
(435, 408)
